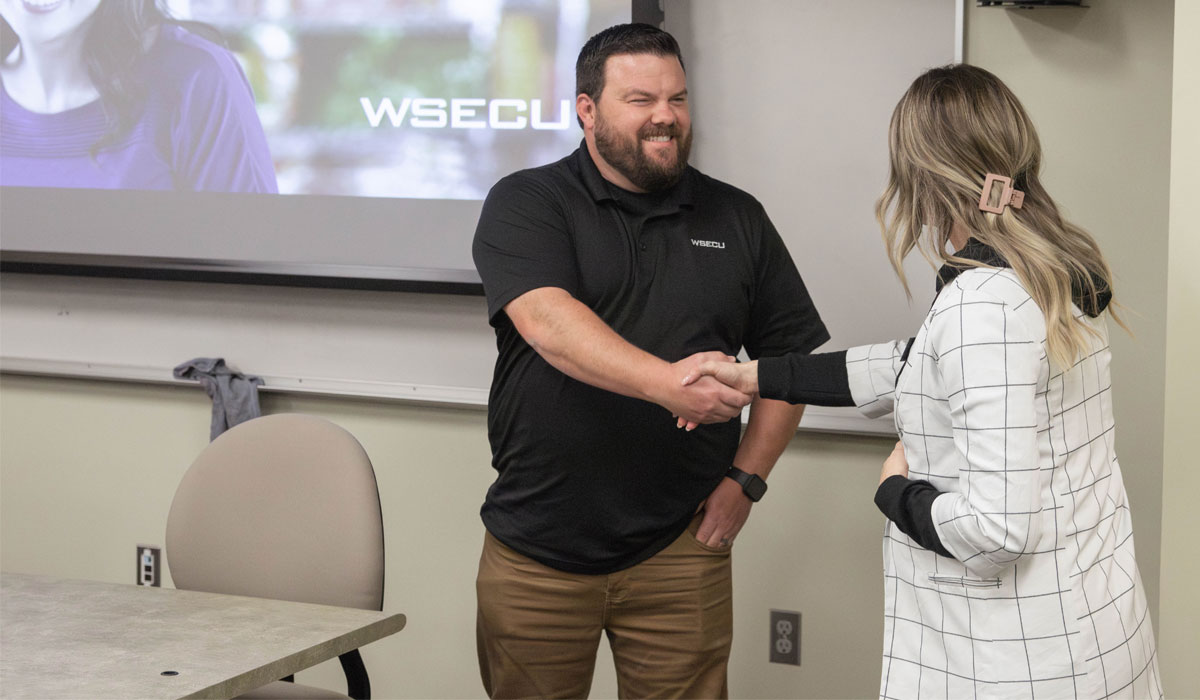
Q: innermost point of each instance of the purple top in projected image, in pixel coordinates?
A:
(198, 130)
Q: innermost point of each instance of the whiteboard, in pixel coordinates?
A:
(790, 99)
(793, 107)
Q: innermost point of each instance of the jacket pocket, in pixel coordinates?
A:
(964, 581)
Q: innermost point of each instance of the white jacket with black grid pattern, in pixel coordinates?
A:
(1043, 598)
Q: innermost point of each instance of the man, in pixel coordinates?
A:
(609, 275)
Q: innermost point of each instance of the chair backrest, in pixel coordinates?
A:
(284, 506)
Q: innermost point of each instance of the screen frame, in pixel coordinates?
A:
(28, 210)
(274, 256)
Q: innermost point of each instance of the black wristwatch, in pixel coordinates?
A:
(752, 485)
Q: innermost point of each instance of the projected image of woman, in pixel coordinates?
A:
(114, 94)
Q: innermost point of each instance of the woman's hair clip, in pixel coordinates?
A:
(1008, 196)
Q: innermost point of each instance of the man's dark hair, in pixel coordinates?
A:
(619, 40)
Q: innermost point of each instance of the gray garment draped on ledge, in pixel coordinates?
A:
(234, 395)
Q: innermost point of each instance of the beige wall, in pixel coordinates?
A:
(1179, 640)
(88, 470)
(1097, 83)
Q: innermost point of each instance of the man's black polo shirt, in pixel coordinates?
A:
(590, 481)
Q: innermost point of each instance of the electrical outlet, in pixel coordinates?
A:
(149, 559)
(785, 637)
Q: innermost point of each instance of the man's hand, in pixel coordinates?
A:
(896, 463)
(725, 513)
(702, 401)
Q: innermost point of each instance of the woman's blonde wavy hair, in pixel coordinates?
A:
(955, 125)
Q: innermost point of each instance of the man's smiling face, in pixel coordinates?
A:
(639, 126)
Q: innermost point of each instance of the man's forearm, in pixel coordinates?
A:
(575, 341)
(771, 426)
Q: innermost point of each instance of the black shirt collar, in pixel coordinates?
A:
(979, 252)
(682, 195)
(973, 250)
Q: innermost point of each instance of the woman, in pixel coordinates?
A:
(114, 94)
(1008, 553)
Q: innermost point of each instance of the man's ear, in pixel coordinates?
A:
(585, 109)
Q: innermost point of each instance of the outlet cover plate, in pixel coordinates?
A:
(785, 637)
(149, 565)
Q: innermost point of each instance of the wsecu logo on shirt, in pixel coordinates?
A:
(707, 244)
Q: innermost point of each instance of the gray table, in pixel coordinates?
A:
(63, 638)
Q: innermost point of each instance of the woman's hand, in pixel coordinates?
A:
(896, 463)
(741, 376)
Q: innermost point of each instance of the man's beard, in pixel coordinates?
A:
(630, 159)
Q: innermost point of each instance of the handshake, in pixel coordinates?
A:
(708, 387)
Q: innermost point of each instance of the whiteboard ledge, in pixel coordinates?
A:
(827, 419)
(396, 391)
(816, 418)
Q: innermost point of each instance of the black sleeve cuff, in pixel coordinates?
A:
(909, 504)
(818, 380)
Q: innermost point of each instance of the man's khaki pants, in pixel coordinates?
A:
(669, 621)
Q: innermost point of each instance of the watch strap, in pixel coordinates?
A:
(752, 484)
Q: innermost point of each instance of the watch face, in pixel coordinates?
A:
(755, 487)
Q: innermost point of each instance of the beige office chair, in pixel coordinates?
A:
(283, 507)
